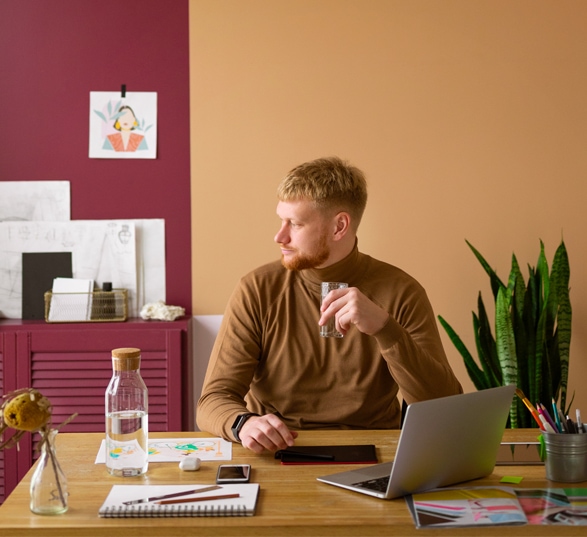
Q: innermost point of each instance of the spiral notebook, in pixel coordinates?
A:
(145, 501)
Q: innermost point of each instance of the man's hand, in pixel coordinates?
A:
(266, 432)
(351, 307)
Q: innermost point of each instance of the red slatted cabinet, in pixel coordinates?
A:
(71, 365)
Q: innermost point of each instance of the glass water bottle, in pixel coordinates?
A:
(127, 416)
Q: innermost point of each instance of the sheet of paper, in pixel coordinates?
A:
(123, 127)
(151, 271)
(177, 449)
(34, 200)
(71, 299)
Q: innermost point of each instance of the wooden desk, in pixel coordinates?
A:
(291, 501)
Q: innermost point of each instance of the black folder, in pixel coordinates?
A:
(353, 454)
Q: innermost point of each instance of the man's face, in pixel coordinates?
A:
(303, 236)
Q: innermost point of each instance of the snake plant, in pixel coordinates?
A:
(532, 338)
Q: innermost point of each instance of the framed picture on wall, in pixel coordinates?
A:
(123, 124)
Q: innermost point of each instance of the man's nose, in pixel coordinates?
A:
(281, 236)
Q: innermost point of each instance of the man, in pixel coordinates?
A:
(270, 372)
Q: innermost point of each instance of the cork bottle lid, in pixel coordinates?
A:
(126, 359)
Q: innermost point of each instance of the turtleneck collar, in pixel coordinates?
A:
(344, 270)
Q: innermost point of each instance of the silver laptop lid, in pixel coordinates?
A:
(449, 440)
(443, 441)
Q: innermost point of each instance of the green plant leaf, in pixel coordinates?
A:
(543, 270)
(486, 348)
(532, 333)
(101, 115)
(519, 287)
(506, 346)
(475, 373)
(496, 283)
(530, 320)
(560, 277)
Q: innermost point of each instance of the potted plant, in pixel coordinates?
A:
(532, 338)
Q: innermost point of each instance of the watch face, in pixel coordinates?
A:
(239, 422)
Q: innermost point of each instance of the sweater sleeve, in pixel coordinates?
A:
(411, 346)
(231, 368)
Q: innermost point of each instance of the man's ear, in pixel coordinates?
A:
(342, 223)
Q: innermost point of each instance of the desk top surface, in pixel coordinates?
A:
(291, 501)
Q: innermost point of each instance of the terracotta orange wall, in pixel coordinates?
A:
(468, 118)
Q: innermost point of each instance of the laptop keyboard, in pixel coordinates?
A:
(379, 484)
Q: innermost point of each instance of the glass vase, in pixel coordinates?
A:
(48, 484)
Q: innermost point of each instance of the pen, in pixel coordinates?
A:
(173, 495)
(301, 454)
(204, 499)
(579, 422)
(563, 421)
(571, 426)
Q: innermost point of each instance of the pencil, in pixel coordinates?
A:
(557, 417)
(542, 410)
(199, 499)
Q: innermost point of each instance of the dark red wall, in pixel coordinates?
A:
(52, 54)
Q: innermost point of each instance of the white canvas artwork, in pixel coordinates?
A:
(34, 200)
(128, 253)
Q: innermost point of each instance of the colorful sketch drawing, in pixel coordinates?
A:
(122, 450)
(185, 449)
(123, 127)
(176, 449)
(125, 122)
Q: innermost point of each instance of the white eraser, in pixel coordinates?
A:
(190, 464)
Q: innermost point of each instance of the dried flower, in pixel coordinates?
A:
(29, 410)
(26, 410)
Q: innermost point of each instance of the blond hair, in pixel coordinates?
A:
(331, 183)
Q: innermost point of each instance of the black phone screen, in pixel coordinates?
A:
(234, 472)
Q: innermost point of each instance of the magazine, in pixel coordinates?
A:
(478, 506)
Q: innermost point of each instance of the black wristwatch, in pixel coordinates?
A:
(239, 422)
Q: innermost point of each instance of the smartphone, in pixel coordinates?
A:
(233, 473)
(519, 453)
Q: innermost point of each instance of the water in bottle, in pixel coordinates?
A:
(127, 416)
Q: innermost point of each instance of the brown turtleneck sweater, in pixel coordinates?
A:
(270, 358)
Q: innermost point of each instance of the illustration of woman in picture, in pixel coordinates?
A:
(125, 139)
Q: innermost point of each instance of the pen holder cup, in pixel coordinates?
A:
(566, 457)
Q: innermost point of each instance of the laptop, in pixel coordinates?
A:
(443, 441)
